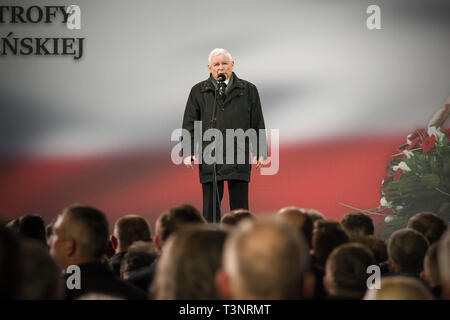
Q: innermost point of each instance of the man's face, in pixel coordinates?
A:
(221, 64)
(60, 244)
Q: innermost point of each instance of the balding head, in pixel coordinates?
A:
(299, 219)
(264, 260)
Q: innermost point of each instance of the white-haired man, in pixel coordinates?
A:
(229, 104)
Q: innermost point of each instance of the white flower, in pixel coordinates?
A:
(399, 208)
(408, 153)
(436, 132)
(407, 138)
(388, 219)
(383, 202)
(402, 165)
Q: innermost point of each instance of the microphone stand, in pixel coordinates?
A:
(213, 126)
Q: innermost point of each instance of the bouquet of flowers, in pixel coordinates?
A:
(418, 179)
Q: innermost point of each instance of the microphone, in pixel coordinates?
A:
(221, 84)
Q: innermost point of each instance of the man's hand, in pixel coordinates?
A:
(188, 162)
(259, 163)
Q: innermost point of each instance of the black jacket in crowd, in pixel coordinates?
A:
(240, 109)
(96, 277)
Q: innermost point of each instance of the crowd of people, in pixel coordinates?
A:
(293, 254)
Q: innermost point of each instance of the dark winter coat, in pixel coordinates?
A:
(240, 109)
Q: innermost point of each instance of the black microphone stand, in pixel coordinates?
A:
(219, 91)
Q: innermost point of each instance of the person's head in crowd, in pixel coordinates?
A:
(265, 259)
(299, 219)
(399, 288)
(41, 276)
(14, 225)
(377, 245)
(429, 224)
(444, 264)
(315, 215)
(99, 296)
(10, 279)
(406, 252)
(80, 235)
(188, 264)
(110, 251)
(33, 227)
(127, 230)
(327, 235)
(357, 223)
(430, 273)
(49, 232)
(139, 255)
(346, 271)
(233, 217)
(170, 221)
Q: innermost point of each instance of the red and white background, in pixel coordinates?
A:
(97, 131)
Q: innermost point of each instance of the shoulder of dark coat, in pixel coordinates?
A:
(247, 83)
(202, 85)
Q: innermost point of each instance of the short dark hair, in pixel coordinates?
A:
(431, 266)
(327, 235)
(407, 249)
(346, 269)
(131, 228)
(170, 221)
(33, 227)
(233, 217)
(139, 255)
(358, 222)
(378, 246)
(315, 215)
(429, 224)
(94, 240)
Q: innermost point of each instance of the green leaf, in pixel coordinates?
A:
(446, 166)
(431, 180)
(445, 207)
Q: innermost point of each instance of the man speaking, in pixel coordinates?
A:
(231, 107)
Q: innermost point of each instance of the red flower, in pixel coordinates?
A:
(428, 143)
(419, 133)
(447, 133)
(398, 174)
(413, 143)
